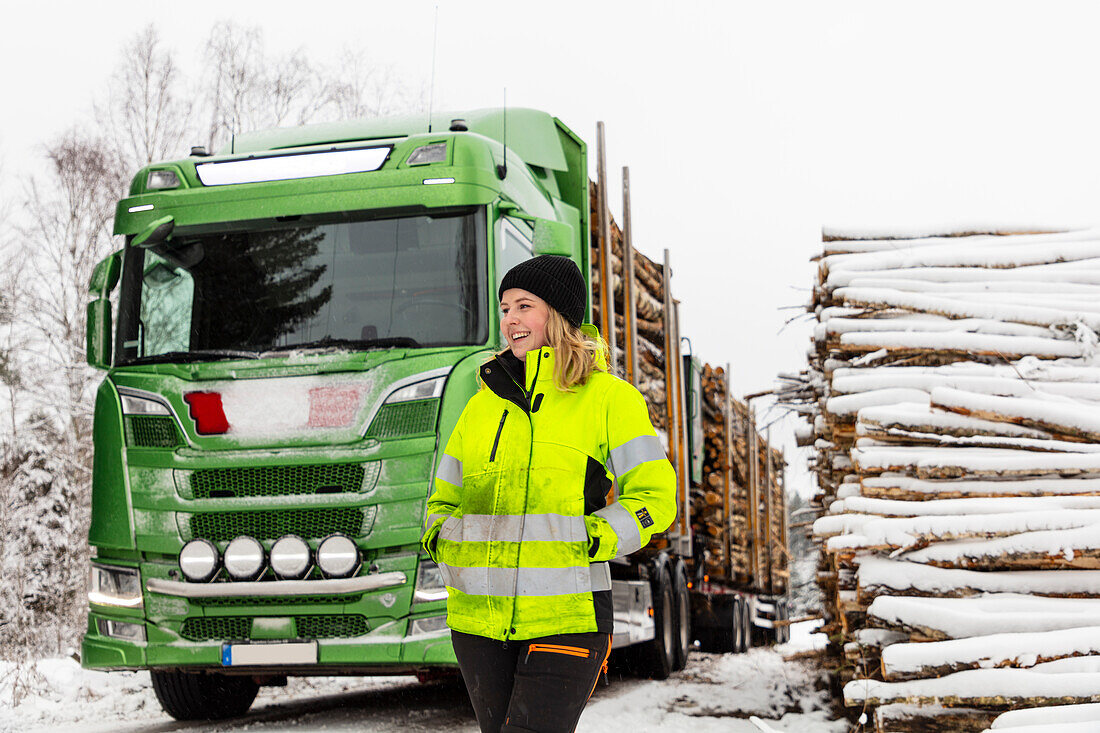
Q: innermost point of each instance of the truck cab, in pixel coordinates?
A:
(300, 318)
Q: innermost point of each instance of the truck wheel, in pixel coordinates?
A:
(740, 633)
(746, 624)
(203, 695)
(657, 656)
(681, 615)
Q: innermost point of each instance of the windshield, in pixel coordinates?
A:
(410, 281)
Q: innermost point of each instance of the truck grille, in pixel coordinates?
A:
(147, 431)
(340, 478)
(273, 524)
(404, 419)
(225, 628)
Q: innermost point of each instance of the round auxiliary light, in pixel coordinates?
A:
(244, 559)
(338, 556)
(199, 561)
(289, 557)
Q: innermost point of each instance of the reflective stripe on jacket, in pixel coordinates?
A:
(518, 521)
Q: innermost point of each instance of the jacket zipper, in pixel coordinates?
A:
(526, 492)
(496, 440)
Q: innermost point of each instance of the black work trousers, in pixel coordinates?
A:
(533, 685)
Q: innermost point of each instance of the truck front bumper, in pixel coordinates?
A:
(402, 646)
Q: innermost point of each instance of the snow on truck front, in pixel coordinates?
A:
(297, 332)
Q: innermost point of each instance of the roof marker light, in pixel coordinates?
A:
(143, 207)
(160, 180)
(434, 153)
(434, 181)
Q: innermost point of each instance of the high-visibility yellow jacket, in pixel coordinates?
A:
(519, 522)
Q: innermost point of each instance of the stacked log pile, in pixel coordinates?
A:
(954, 408)
(732, 541)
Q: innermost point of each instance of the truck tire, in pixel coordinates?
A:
(681, 615)
(783, 613)
(203, 695)
(741, 631)
(657, 657)
(726, 637)
(746, 625)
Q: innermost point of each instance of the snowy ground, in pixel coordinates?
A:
(715, 693)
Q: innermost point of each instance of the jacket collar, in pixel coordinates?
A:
(502, 374)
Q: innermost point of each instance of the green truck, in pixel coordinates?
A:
(289, 335)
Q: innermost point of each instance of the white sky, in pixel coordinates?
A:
(747, 126)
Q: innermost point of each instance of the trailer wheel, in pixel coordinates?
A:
(782, 613)
(740, 630)
(203, 695)
(681, 615)
(746, 624)
(656, 658)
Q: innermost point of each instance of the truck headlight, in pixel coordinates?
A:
(133, 405)
(113, 585)
(338, 556)
(121, 629)
(289, 557)
(429, 583)
(244, 558)
(429, 625)
(199, 561)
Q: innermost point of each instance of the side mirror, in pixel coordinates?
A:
(99, 327)
(158, 232)
(98, 342)
(551, 237)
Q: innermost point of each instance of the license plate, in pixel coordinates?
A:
(237, 655)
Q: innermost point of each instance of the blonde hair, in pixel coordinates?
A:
(575, 352)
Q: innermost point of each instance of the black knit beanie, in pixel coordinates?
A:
(555, 279)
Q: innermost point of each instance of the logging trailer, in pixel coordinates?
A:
(300, 320)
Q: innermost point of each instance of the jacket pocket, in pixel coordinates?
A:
(496, 440)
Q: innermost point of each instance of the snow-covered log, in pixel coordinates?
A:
(1074, 421)
(1019, 721)
(986, 687)
(909, 661)
(882, 576)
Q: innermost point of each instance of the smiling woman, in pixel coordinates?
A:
(519, 522)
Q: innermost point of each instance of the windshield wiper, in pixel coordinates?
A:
(330, 343)
(184, 357)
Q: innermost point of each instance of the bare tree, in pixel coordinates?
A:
(363, 89)
(145, 116)
(246, 89)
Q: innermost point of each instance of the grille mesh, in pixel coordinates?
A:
(218, 627)
(148, 431)
(270, 525)
(404, 418)
(278, 600)
(330, 627)
(225, 628)
(207, 483)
